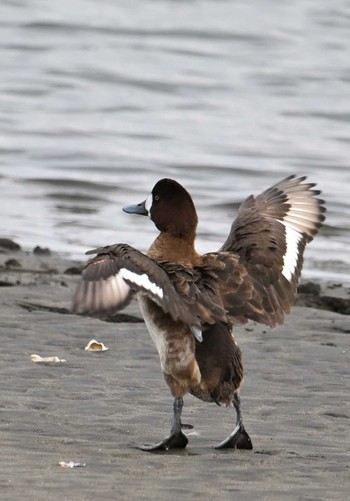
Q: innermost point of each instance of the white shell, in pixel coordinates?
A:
(94, 345)
(44, 360)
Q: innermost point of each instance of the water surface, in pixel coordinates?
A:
(98, 100)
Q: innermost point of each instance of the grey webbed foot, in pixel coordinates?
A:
(176, 440)
(239, 438)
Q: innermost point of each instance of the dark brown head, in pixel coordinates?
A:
(170, 207)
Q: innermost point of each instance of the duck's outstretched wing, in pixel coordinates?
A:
(117, 272)
(269, 235)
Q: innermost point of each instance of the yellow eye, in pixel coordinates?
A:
(156, 198)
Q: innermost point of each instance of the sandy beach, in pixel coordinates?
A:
(95, 408)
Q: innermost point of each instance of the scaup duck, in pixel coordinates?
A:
(190, 301)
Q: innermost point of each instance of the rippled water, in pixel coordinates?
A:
(100, 99)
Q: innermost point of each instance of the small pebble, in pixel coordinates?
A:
(41, 251)
(74, 270)
(12, 263)
(8, 244)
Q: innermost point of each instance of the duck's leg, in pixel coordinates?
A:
(239, 438)
(176, 440)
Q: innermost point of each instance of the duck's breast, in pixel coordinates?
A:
(174, 341)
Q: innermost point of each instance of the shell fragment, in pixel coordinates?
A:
(45, 360)
(71, 464)
(94, 345)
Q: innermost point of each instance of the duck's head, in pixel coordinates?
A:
(170, 207)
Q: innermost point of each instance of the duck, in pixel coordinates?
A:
(191, 302)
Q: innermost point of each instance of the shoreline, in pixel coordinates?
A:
(95, 408)
(327, 295)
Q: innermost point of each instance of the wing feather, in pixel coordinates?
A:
(110, 279)
(269, 235)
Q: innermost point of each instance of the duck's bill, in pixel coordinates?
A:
(137, 209)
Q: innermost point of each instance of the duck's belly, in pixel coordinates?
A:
(175, 345)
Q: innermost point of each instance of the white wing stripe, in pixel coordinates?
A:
(141, 281)
(121, 286)
(290, 258)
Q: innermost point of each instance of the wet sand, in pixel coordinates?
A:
(96, 407)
